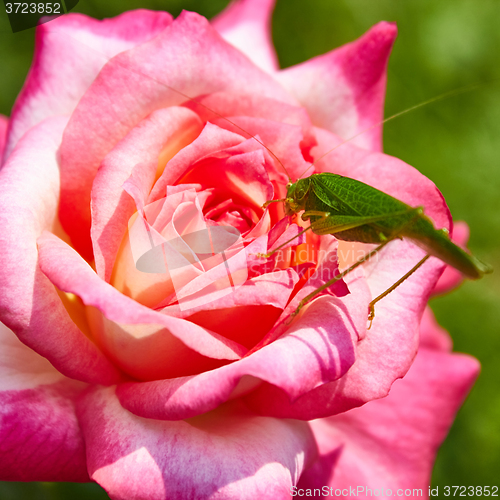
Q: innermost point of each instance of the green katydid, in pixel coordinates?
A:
(353, 211)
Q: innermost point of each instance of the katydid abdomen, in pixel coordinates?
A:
(437, 243)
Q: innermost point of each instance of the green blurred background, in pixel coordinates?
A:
(455, 142)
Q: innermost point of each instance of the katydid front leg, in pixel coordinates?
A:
(323, 215)
(267, 255)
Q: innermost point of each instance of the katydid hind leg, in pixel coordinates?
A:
(371, 305)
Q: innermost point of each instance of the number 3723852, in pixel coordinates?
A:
(33, 8)
(470, 491)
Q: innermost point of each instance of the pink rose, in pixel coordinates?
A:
(187, 381)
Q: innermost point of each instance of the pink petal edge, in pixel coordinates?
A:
(69, 53)
(344, 90)
(391, 443)
(4, 123)
(29, 303)
(229, 453)
(247, 25)
(40, 438)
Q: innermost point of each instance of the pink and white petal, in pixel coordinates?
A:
(40, 438)
(383, 355)
(239, 175)
(344, 90)
(247, 25)
(166, 129)
(282, 139)
(222, 161)
(145, 343)
(227, 105)
(212, 106)
(21, 367)
(392, 443)
(188, 58)
(229, 453)
(323, 339)
(4, 123)
(69, 53)
(451, 277)
(29, 303)
(254, 307)
(262, 295)
(211, 142)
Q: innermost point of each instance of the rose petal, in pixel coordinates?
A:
(140, 81)
(209, 143)
(40, 438)
(111, 206)
(69, 53)
(225, 104)
(247, 25)
(140, 270)
(243, 171)
(29, 303)
(159, 346)
(382, 356)
(282, 139)
(322, 339)
(210, 107)
(22, 368)
(254, 307)
(344, 90)
(240, 176)
(392, 443)
(229, 453)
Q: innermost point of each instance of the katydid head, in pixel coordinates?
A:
(296, 196)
